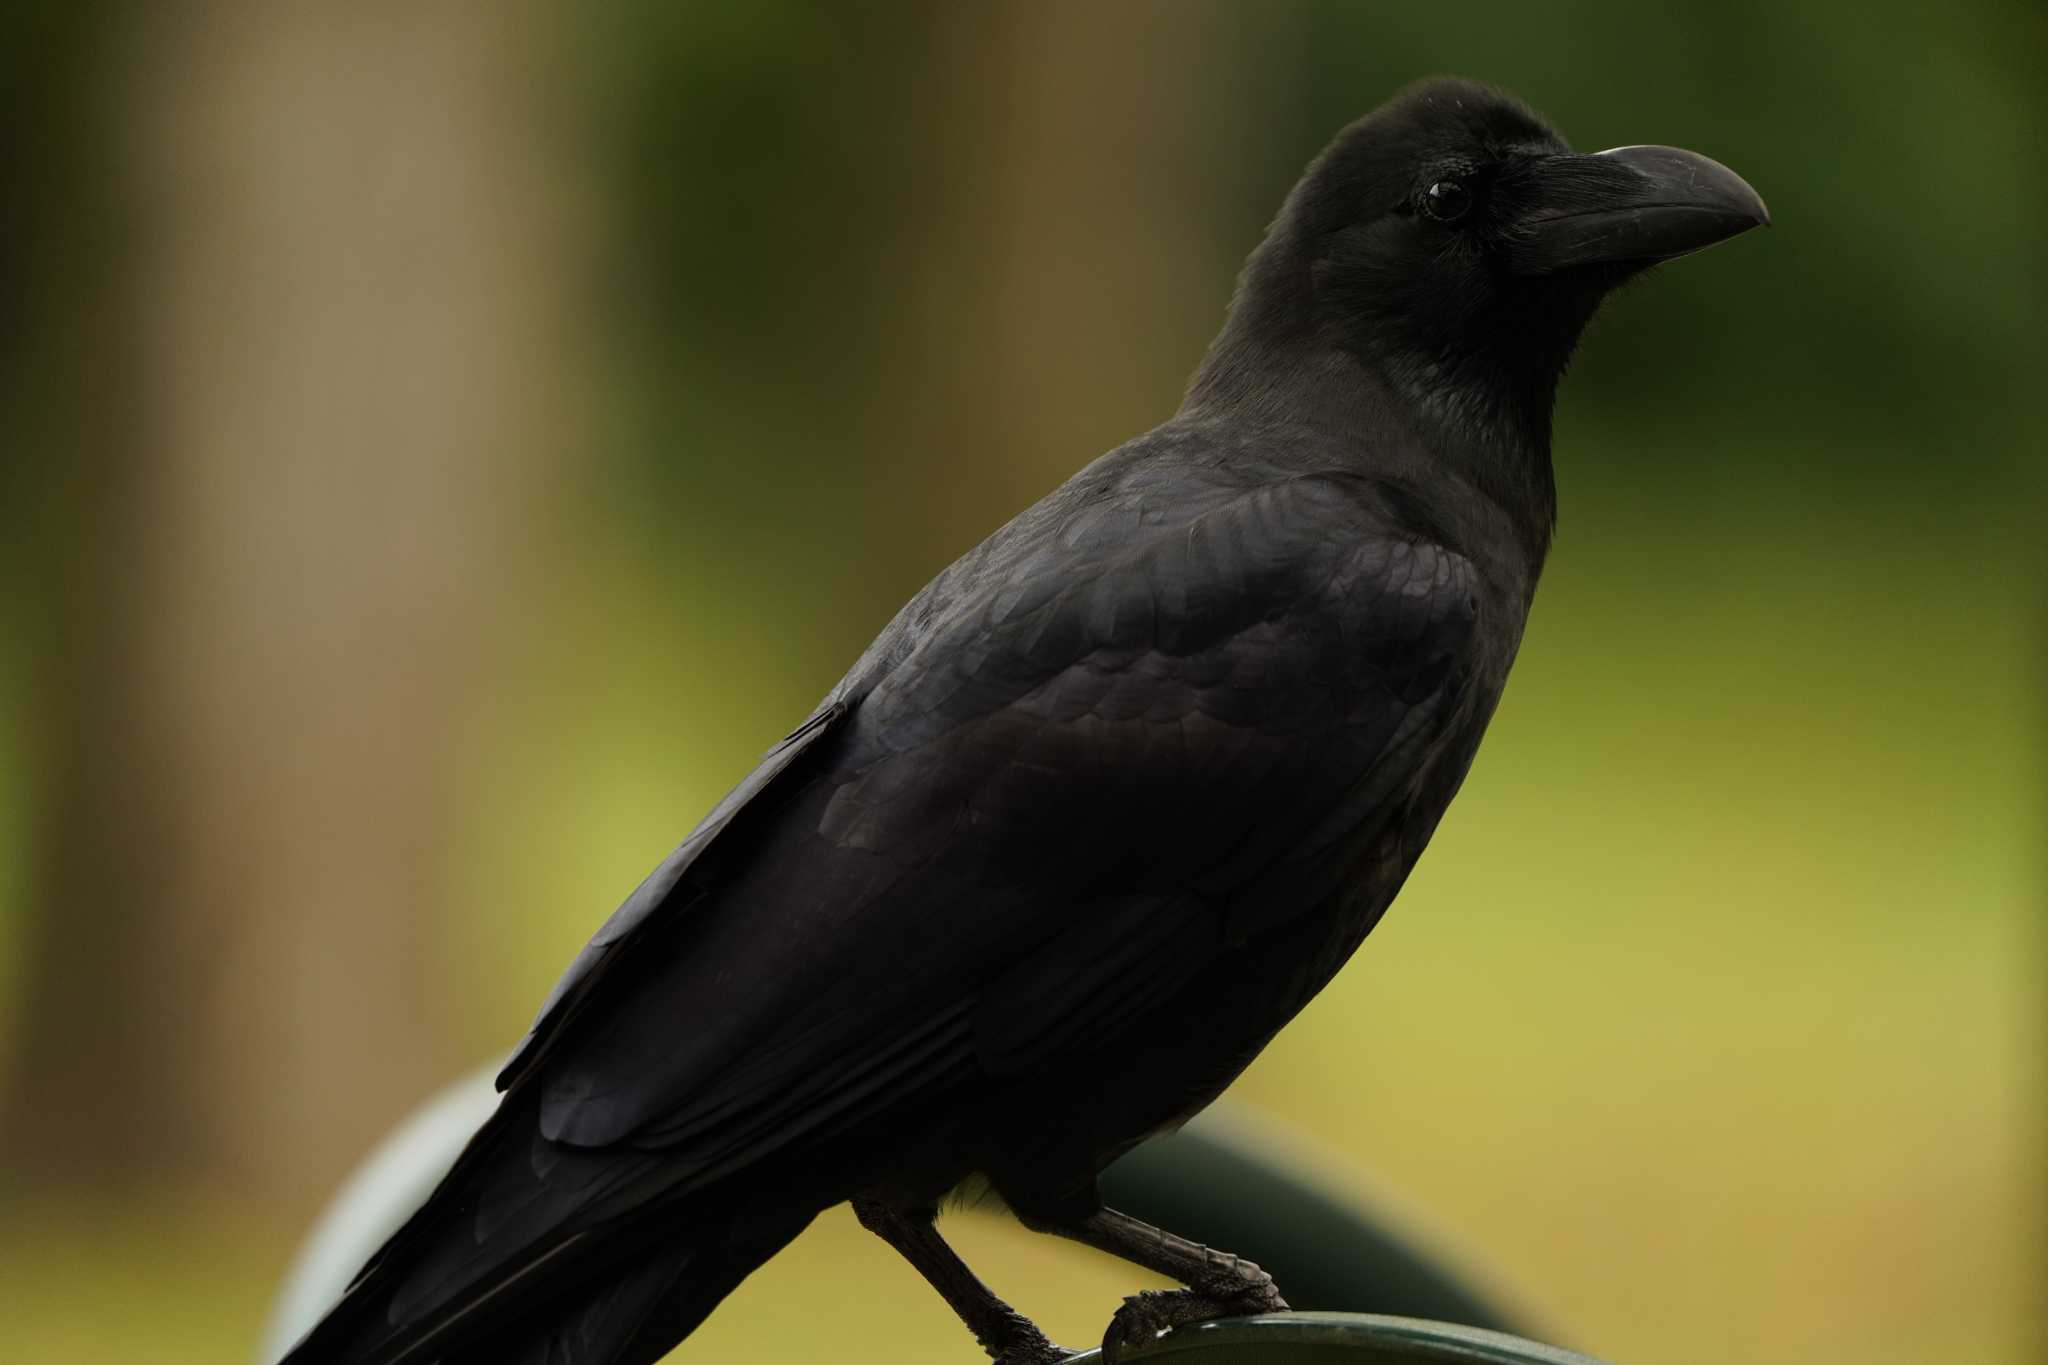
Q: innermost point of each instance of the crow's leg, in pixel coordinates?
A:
(1008, 1336)
(1219, 1285)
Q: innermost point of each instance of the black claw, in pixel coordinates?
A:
(1144, 1316)
(1040, 1353)
(1030, 1347)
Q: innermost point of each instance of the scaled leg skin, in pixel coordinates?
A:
(1008, 1336)
(1219, 1285)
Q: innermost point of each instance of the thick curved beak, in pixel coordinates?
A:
(1630, 205)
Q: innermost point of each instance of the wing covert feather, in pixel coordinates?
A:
(1061, 779)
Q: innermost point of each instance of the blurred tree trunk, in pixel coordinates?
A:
(1098, 191)
(281, 577)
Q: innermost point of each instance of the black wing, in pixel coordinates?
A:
(1128, 739)
(663, 888)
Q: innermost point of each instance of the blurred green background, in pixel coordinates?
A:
(445, 443)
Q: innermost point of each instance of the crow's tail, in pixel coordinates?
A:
(534, 1254)
(632, 1318)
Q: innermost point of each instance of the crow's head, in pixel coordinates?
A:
(1453, 243)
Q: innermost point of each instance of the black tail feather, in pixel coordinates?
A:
(525, 1255)
(639, 1316)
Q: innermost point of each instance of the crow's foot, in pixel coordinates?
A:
(1015, 1340)
(1031, 1350)
(1144, 1316)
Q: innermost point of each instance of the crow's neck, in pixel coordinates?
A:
(1472, 418)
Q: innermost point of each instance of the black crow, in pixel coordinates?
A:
(1102, 808)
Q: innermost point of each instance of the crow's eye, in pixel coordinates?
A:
(1447, 201)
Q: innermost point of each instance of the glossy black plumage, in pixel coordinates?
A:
(1102, 808)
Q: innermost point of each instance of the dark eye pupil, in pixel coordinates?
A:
(1446, 201)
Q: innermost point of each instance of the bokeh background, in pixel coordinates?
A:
(442, 444)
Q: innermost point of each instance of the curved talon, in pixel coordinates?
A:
(1040, 1352)
(1145, 1315)
(1021, 1343)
